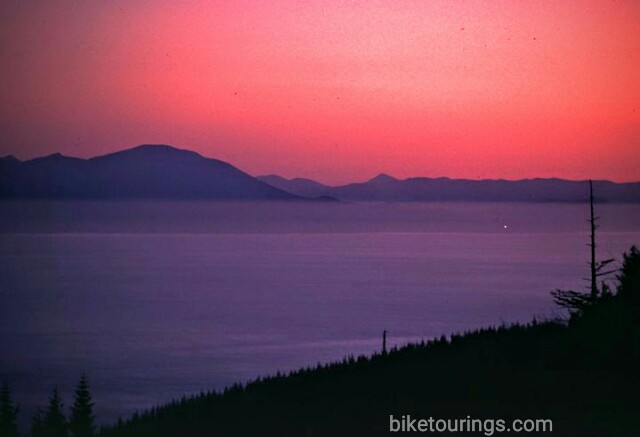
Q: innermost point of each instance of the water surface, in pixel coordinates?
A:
(157, 299)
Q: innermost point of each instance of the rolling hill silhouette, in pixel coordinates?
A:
(310, 187)
(165, 172)
(387, 188)
(147, 171)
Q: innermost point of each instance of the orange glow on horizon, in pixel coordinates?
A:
(332, 90)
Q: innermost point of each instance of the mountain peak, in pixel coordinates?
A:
(159, 148)
(383, 177)
(149, 171)
(150, 151)
(9, 159)
(54, 158)
(155, 147)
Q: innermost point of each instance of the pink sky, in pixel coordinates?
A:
(333, 90)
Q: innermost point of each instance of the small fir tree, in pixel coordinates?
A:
(55, 424)
(8, 413)
(37, 424)
(82, 418)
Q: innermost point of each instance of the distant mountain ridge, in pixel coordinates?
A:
(166, 172)
(310, 187)
(144, 172)
(421, 189)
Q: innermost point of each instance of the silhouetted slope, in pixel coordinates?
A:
(158, 171)
(386, 188)
(149, 171)
(504, 373)
(298, 186)
(581, 375)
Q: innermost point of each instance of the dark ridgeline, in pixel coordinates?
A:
(387, 188)
(310, 187)
(164, 172)
(145, 172)
(581, 374)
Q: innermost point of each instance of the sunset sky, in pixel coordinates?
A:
(333, 90)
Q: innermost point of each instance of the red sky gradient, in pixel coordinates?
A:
(333, 90)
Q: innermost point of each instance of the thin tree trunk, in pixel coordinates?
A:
(594, 285)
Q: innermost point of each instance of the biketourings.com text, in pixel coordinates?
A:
(486, 426)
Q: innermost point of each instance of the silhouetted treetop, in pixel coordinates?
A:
(82, 418)
(8, 413)
(55, 423)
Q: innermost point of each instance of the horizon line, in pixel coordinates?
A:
(264, 175)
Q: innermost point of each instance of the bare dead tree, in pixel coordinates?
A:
(575, 300)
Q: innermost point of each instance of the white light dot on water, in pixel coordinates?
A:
(505, 226)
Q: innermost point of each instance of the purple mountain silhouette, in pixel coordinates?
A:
(148, 171)
(387, 188)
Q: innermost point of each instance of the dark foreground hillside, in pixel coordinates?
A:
(583, 375)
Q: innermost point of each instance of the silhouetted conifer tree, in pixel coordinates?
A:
(82, 418)
(629, 277)
(37, 425)
(55, 424)
(628, 298)
(8, 413)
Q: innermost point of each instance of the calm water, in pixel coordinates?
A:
(157, 299)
